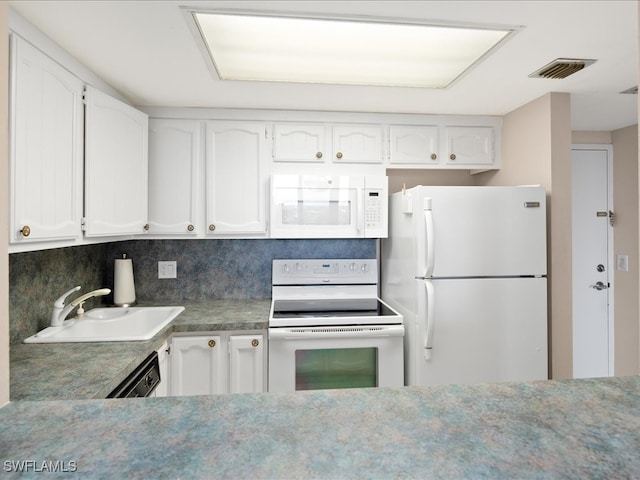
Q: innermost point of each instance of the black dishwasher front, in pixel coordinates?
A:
(141, 382)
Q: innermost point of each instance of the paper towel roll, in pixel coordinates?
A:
(124, 290)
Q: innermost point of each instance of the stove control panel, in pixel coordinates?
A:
(334, 271)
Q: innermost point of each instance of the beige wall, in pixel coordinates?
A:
(4, 205)
(591, 137)
(536, 149)
(410, 178)
(625, 234)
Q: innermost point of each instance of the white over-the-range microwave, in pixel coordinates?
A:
(332, 206)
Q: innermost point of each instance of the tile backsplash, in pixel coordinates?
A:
(206, 269)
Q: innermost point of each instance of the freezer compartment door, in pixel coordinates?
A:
(478, 330)
(481, 231)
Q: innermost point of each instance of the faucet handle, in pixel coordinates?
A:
(59, 303)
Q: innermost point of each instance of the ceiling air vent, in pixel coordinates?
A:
(561, 68)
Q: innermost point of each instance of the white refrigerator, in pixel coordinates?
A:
(466, 267)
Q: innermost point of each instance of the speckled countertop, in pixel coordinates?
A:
(576, 429)
(58, 371)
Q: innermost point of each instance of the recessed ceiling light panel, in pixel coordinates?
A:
(314, 50)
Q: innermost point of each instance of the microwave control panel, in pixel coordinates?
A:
(375, 225)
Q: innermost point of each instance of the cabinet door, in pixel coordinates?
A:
(469, 146)
(246, 363)
(175, 153)
(414, 145)
(236, 173)
(163, 389)
(357, 144)
(300, 142)
(198, 365)
(46, 148)
(115, 166)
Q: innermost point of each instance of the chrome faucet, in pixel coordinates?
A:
(60, 310)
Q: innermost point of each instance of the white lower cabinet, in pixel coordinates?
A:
(221, 362)
(246, 363)
(162, 390)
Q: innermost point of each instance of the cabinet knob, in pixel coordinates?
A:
(255, 342)
(434, 156)
(211, 343)
(146, 227)
(25, 231)
(212, 227)
(339, 155)
(318, 154)
(452, 156)
(191, 228)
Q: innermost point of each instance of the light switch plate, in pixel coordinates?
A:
(167, 269)
(622, 263)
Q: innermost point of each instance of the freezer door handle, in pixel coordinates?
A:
(427, 268)
(428, 306)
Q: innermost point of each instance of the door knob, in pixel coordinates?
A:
(600, 286)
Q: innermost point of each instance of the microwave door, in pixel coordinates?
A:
(316, 213)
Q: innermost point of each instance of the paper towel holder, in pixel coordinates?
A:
(124, 291)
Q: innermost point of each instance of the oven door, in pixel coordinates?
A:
(316, 207)
(312, 358)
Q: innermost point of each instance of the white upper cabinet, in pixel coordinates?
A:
(46, 148)
(326, 143)
(415, 145)
(469, 146)
(358, 143)
(175, 156)
(300, 142)
(236, 178)
(116, 157)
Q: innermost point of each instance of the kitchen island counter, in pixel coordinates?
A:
(57, 371)
(554, 429)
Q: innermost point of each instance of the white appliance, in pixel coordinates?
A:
(328, 328)
(466, 267)
(339, 206)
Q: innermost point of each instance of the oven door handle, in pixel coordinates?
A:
(295, 333)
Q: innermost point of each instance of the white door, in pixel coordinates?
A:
(592, 340)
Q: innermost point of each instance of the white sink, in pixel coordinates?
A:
(113, 324)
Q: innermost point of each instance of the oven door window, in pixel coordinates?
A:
(336, 368)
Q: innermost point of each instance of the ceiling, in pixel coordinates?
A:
(146, 50)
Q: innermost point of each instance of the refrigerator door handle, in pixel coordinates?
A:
(428, 238)
(427, 300)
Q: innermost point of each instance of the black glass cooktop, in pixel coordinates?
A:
(308, 308)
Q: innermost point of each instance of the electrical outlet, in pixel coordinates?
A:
(622, 263)
(168, 269)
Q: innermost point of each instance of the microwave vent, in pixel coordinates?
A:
(561, 68)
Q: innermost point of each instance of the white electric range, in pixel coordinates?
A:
(328, 328)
